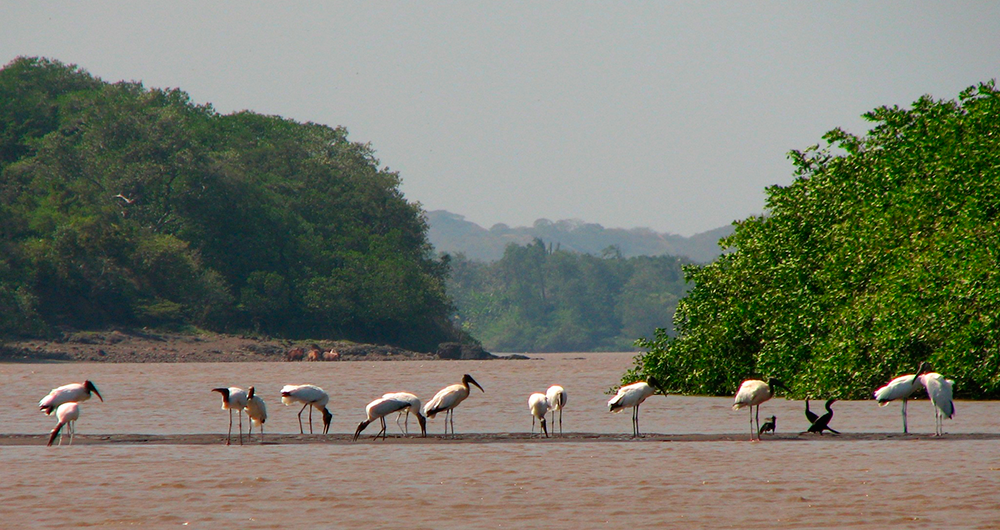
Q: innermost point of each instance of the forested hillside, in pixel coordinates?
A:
(537, 299)
(124, 205)
(883, 252)
(453, 234)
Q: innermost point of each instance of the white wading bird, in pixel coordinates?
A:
(67, 413)
(378, 409)
(632, 396)
(752, 393)
(308, 395)
(901, 388)
(538, 406)
(556, 395)
(71, 393)
(448, 398)
(233, 398)
(257, 412)
(939, 390)
(414, 406)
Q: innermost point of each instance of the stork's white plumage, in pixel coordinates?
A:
(233, 398)
(902, 388)
(751, 394)
(940, 390)
(632, 396)
(414, 405)
(378, 409)
(557, 398)
(448, 398)
(71, 393)
(67, 413)
(538, 406)
(308, 395)
(257, 412)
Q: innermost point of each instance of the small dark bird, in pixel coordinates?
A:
(823, 422)
(810, 415)
(770, 425)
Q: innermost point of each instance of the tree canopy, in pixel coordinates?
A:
(125, 205)
(883, 252)
(538, 299)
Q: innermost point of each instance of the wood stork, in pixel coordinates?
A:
(557, 401)
(752, 393)
(822, 423)
(939, 390)
(901, 387)
(414, 406)
(538, 406)
(67, 413)
(377, 410)
(632, 396)
(770, 425)
(233, 398)
(308, 395)
(71, 393)
(448, 398)
(257, 412)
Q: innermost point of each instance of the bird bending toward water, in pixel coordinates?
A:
(257, 412)
(380, 408)
(557, 398)
(71, 393)
(538, 406)
(939, 390)
(414, 406)
(632, 396)
(901, 387)
(448, 398)
(752, 393)
(67, 413)
(233, 398)
(308, 395)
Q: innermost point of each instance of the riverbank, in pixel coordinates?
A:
(145, 346)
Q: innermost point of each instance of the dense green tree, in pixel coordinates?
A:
(122, 205)
(537, 298)
(883, 252)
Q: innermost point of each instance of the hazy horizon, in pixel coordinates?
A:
(671, 116)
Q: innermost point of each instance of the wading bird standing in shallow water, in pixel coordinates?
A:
(632, 396)
(257, 412)
(556, 395)
(448, 398)
(378, 409)
(538, 406)
(67, 413)
(308, 395)
(71, 393)
(752, 393)
(414, 406)
(233, 398)
(939, 390)
(901, 388)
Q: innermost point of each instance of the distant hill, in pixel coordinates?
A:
(450, 232)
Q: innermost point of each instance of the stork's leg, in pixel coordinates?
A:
(751, 423)
(758, 422)
(303, 409)
(905, 431)
(560, 422)
(532, 424)
(72, 431)
(453, 422)
(382, 432)
(229, 435)
(240, 414)
(310, 420)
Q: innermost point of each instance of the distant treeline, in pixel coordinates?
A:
(884, 252)
(122, 205)
(540, 299)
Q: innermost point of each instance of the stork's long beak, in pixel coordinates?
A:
(327, 417)
(361, 427)
(473, 381)
(423, 424)
(93, 388)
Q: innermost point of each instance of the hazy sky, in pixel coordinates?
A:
(669, 115)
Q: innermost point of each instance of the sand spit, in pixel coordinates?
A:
(482, 438)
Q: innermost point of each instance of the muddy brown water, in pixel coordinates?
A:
(152, 455)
